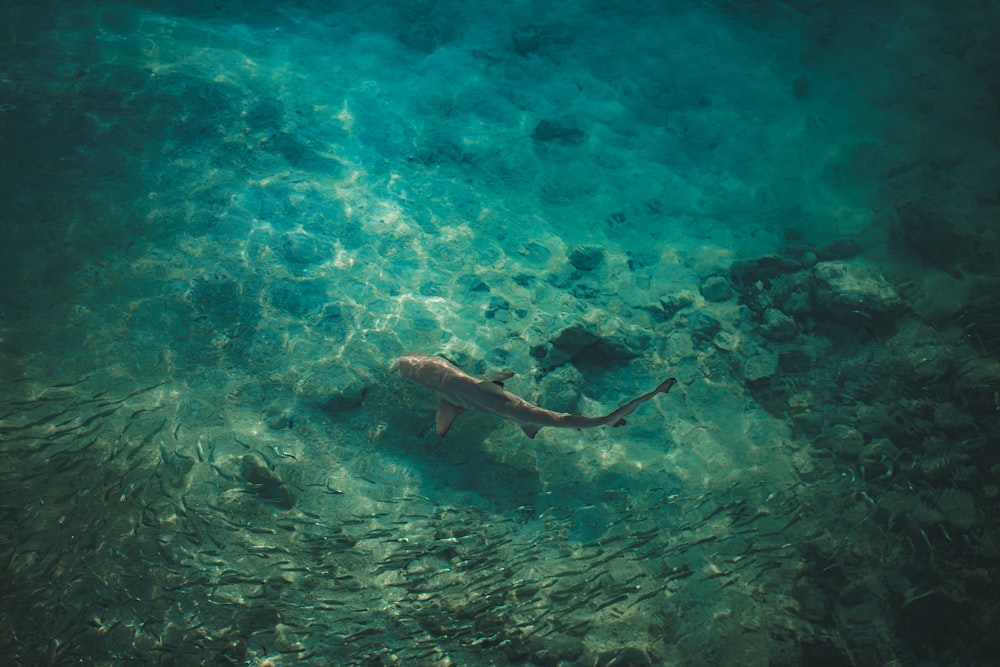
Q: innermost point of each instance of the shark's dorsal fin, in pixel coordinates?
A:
(492, 387)
(530, 429)
(498, 380)
(446, 414)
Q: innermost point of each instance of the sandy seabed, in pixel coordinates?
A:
(222, 224)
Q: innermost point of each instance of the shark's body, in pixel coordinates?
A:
(460, 392)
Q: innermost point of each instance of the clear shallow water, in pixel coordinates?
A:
(221, 226)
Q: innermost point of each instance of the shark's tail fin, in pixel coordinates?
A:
(627, 409)
(665, 386)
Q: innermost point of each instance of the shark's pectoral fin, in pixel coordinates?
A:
(530, 429)
(446, 414)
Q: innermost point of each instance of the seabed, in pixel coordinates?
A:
(222, 222)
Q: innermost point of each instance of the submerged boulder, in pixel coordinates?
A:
(716, 288)
(264, 483)
(574, 338)
(583, 344)
(586, 258)
(749, 271)
(559, 131)
(852, 292)
(846, 442)
(760, 366)
(777, 325)
(561, 389)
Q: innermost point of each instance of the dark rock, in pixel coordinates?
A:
(603, 354)
(266, 114)
(330, 320)
(226, 302)
(535, 252)
(794, 361)
(797, 302)
(498, 307)
(800, 253)
(557, 650)
(558, 132)
(526, 40)
(581, 345)
(524, 279)
(421, 37)
(727, 341)
(587, 258)
(299, 299)
(345, 398)
(877, 456)
(300, 155)
(255, 471)
(670, 305)
(777, 325)
(531, 38)
(278, 418)
(265, 483)
(845, 442)
(585, 292)
(749, 271)
(716, 288)
(950, 418)
(759, 367)
(616, 219)
(806, 467)
(774, 282)
(812, 600)
(470, 282)
(574, 338)
(702, 325)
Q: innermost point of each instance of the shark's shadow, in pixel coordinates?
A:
(462, 462)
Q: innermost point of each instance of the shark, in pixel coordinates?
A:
(459, 392)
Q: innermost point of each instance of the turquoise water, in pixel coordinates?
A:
(223, 222)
